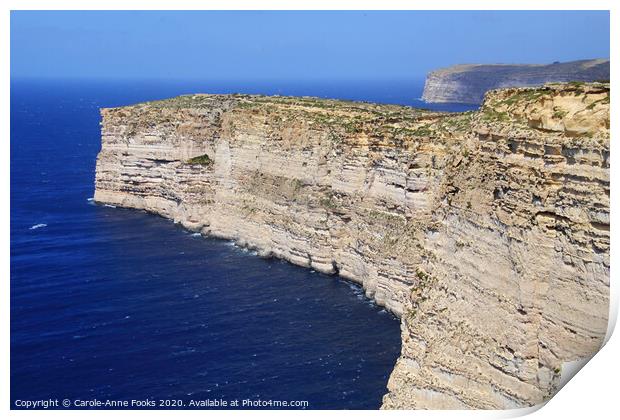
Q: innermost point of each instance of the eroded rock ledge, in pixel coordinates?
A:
(486, 232)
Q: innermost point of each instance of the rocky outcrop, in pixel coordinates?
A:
(468, 83)
(486, 232)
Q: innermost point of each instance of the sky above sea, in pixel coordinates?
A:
(294, 46)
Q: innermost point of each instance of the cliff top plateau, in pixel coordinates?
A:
(467, 83)
(486, 232)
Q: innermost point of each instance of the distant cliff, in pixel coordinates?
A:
(487, 232)
(467, 83)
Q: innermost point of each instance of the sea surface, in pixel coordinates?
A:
(116, 304)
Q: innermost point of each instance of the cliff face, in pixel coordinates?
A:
(486, 232)
(468, 83)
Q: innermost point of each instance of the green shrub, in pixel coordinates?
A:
(204, 160)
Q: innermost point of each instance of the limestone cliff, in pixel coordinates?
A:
(468, 83)
(486, 232)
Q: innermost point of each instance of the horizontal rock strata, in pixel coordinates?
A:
(486, 232)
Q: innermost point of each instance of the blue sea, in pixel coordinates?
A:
(120, 305)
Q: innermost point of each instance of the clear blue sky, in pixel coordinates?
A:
(293, 45)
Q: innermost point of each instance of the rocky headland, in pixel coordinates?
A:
(486, 232)
(469, 82)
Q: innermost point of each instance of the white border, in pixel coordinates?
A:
(593, 394)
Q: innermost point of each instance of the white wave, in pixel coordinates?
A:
(109, 205)
(38, 226)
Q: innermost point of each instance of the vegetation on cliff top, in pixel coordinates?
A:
(343, 121)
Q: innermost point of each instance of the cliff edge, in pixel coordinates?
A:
(468, 83)
(487, 232)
